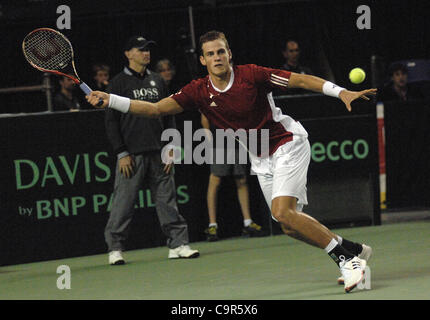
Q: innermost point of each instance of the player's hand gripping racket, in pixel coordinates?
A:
(50, 51)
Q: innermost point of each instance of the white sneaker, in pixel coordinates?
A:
(183, 251)
(365, 254)
(352, 272)
(115, 258)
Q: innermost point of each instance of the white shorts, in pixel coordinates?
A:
(284, 173)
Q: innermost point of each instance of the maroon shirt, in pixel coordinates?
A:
(246, 103)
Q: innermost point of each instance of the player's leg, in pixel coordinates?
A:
(312, 232)
(121, 214)
(353, 247)
(300, 226)
(290, 164)
(266, 182)
(172, 223)
(294, 234)
(265, 179)
(361, 250)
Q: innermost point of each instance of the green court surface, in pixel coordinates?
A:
(275, 268)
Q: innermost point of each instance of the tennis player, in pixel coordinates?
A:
(240, 97)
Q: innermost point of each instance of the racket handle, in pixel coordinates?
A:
(84, 87)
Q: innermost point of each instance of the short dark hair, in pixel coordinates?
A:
(164, 61)
(211, 36)
(62, 78)
(286, 41)
(397, 67)
(100, 67)
(291, 40)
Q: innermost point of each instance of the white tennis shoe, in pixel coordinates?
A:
(352, 272)
(184, 252)
(115, 258)
(365, 254)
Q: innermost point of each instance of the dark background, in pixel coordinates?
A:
(326, 30)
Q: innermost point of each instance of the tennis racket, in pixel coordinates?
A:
(50, 51)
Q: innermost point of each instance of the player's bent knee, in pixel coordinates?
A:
(284, 215)
(287, 230)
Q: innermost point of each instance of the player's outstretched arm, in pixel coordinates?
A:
(166, 106)
(317, 84)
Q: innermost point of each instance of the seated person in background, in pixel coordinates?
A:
(99, 82)
(291, 54)
(101, 74)
(398, 88)
(167, 71)
(292, 57)
(238, 171)
(65, 99)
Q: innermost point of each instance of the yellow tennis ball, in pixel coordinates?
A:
(357, 75)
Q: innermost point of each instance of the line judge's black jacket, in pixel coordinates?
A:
(131, 133)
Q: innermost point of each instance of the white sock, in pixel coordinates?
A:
(247, 222)
(213, 225)
(339, 239)
(333, 243)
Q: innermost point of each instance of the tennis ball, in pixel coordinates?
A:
(357, 75)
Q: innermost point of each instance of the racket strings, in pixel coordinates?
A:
(47, 50)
